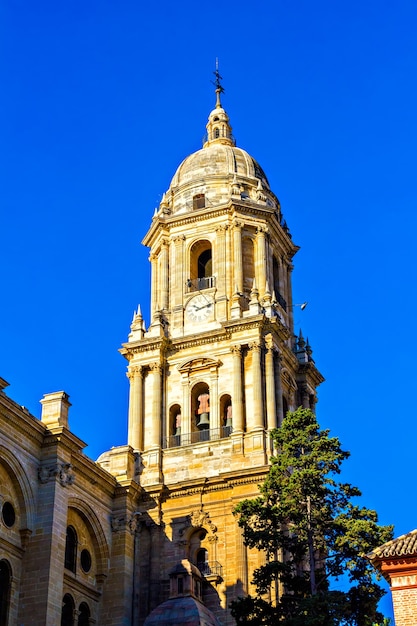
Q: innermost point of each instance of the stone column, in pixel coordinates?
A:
(135, 430)
(278, 392)
(270, 387)
(221, 273)
(261, 260)
(164, 274)
(237, 257)
(155, 440)
(177, 277)
(154, 286)
(257, 421)
(185, 411)
(214, 400)
(237, 399)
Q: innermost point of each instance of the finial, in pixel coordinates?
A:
(217, 84)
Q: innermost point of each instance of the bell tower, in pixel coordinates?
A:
(218, 365)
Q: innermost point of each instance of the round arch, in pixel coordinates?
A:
(22, 485)
(98, 536)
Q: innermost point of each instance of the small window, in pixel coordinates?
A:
(71, 549)
(180, 585)
(216, 133)
(85, 560)
(199, 201)
(8, 514)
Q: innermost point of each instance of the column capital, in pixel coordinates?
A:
(133, 371)
(262, 230)
(236, 350)
(255, 346)
(155, 367)
(237, 225)
(222, 228)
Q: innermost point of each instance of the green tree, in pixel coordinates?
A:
(312, 535)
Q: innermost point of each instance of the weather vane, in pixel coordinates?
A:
(217, 83)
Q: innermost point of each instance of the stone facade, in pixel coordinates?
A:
(209, 379)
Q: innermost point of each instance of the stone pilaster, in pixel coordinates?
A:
(270, 387)
(257, 419)
(261, 264)
(164, 256)
(237, 399)
(135, 431)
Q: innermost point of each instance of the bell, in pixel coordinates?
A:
(204, 421)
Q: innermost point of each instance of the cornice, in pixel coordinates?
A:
(310, 371)
(19, 418)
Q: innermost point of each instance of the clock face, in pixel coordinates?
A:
(199, 308)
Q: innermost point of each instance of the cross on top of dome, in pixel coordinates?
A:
(218, 126)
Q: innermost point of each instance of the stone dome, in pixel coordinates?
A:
(216, 173)
(186, 611)
(218, 161)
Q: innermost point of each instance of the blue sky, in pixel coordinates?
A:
(102, 100)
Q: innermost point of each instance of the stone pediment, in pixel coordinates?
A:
(202, 363)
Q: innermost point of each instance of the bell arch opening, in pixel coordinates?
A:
(200, 409)
(226, 419)
(201, 266)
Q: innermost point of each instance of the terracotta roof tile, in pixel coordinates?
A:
(405, 545)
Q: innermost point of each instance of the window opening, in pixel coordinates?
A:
(199, 201)
(203, 561)
(83, 615)
(5, 584)
(85, 559)
(71, 549)
(180, 585)
(8, 514)
(204, 264)
(68, 609)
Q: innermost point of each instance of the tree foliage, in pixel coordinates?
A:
(312, 534)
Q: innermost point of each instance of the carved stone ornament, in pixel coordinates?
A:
(201, 519)
(61, 471)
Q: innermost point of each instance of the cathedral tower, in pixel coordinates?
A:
(215, 370)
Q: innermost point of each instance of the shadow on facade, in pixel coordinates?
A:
(161, 551)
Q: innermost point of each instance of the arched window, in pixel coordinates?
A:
(71, 549)
(203, 561)
(175, 425)
(275, 270)
(200, 401)
(68, 609)
(216, 133)
(226, 415)
(5, 583)
(204, 264)
(201, 266)
(83, 614)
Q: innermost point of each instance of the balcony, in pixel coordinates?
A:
(211, 570)
(198, 436)
(198, 284)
